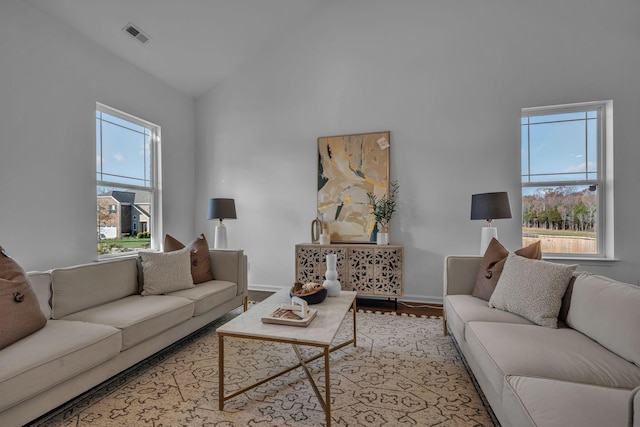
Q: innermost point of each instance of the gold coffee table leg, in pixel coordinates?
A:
(326, 402)
(354, 309)
(327, 406)
(220, 373)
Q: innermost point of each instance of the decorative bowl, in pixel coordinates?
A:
(315, 296)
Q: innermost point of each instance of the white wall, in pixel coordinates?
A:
(50, 80)
(448, 79)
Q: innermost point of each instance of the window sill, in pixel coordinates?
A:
(581, 260)
(118, 256)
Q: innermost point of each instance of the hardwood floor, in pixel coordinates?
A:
(378, 304)
(403, 307)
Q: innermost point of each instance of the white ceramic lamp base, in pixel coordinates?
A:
(488, 233)
(220, 241)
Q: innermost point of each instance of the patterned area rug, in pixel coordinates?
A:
(403, 372)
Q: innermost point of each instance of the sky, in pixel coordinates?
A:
(127, 153)
(562, 146)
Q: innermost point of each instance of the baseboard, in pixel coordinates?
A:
(405, 298)
(264, 288)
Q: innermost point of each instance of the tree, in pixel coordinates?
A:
(103, 218)
(554, 217)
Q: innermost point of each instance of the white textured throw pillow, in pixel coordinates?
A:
(532, 289)
(166, 271)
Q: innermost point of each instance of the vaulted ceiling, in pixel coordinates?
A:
(193, 44)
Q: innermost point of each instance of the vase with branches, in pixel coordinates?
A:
(383, 208)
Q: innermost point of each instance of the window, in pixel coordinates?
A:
(567, 193)
(127, 182)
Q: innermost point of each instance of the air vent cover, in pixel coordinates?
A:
(136, 32)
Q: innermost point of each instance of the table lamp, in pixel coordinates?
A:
(221, 209)
(489, 206)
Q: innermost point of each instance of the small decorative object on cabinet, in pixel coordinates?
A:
(325, 236)
(368, 269)
(316, 230)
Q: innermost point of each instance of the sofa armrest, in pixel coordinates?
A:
(634, 408)
(230, 265)
(460, 273)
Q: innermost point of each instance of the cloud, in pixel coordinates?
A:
(590, 166)
(118, 156)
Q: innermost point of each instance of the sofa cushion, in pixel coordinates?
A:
(55, 353)
(208, 295)
(166, 271)
(462, 309)
(41, 283)
(200, 262)
(530, 350)
(549, 403)
(83, 286)
(608, 312)
(20, 313)
(492, 264)
(532, 289)
(138, 317)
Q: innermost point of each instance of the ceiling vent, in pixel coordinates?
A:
(136, 32)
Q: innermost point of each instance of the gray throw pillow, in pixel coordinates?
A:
(166, 271)
(532, 289)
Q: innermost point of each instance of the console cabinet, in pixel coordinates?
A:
(374, 270)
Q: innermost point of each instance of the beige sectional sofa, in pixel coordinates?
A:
(584, 373)
(99, 324)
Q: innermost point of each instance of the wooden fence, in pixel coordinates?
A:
(564, 245)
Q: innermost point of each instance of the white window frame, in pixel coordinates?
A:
(603, 181)
(155, 228)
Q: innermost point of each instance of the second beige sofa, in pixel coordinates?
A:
(585, 373)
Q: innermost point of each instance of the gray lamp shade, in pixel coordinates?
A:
(222, 209)
(490, 206)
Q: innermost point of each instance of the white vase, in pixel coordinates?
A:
(331, 283)
(325, 239)
(382, 238)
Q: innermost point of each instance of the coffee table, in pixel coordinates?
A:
(320, 333)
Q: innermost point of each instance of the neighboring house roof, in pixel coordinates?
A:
(141, 211)
(128, 196)
(124, 196)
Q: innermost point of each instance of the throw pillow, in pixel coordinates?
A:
(532, 289)
(166, 271)
(20, 313)
(200, 261)
(492, 264)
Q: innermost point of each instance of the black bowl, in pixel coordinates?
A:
(314, 298)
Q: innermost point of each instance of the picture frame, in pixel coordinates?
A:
(349, 167)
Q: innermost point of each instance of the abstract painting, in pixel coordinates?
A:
(349, 167)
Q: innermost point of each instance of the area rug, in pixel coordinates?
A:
(403, 372)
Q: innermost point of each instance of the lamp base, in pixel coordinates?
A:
(488, 233)
(220, 241)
